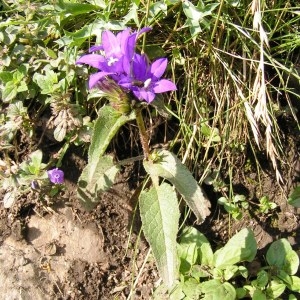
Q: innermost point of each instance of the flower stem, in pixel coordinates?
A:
(143, 133)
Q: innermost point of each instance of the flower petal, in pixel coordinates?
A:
(109, 42)
(94, 78)
(94, 60)
(158, 67)
(139, 67)
(96, 48)
(164, 85)
(142, 94)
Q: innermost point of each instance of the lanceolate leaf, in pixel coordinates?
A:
(95, 180)
(108, 123)
(160, 217)
(100, 172)
(168, 166)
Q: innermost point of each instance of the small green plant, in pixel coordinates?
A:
(265, 205)
(223, 274)
(30, 174)
(235, 205)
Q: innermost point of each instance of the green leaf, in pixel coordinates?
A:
(191, 235)
(191, 289)
(46, 82)
(99, 174)
(295, 284)
(259, 295)
(96, 179)
(171, 168)
(294, 198)
(9, 92)
(108, 123)
(75, 8)
(215, 289)
(241, 247)
(188, 255)
(281, 255)
(36, 160)
(230, 271)
(262, 279)
(160, 217)
(275, 289)
(6, 76)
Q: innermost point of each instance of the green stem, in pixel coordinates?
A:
(143, 133)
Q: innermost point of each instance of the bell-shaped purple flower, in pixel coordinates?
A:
(115, 55)
(56, 176)
(145, 81)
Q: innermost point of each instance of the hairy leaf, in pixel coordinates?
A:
(108, 123)
(160, 217)
(96, 179)
(171, 168)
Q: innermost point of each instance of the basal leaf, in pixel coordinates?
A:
(171, 168)
(160, 217)
(96, 179)
(281, 254)
(241, 247)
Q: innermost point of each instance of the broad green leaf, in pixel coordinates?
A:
(160, 217)
(294, 198)
(191, 235)
(275, 289)
(215, 289)
(259, 295)
(168, 166)
(241, 247)
(96, 179)
(295, 284)
(191, 289)
(108, 123)
(281, 255)
(262, 279)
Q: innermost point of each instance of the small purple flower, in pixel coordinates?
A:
(145, 80)
(56, 176)
(35, 185)
(116, 53)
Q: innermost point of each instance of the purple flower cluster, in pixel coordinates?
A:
(116, 59)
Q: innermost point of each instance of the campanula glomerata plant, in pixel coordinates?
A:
(129, 81)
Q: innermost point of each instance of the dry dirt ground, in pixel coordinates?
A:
(59, 251)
